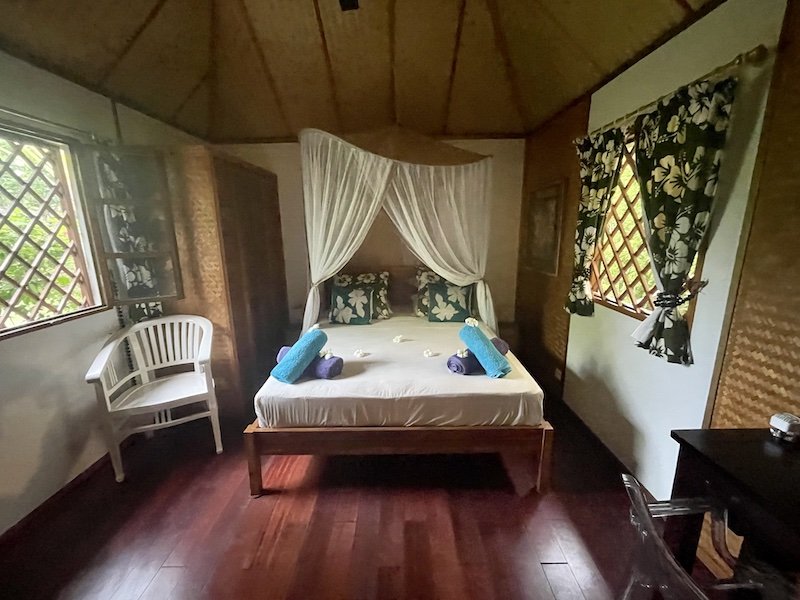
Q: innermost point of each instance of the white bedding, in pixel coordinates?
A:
(395, 385)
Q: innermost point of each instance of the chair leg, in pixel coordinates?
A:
(214, 417)
(112, 443)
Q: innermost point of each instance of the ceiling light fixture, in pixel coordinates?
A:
(348, 4)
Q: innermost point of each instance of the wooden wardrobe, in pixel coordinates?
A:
(228, 229)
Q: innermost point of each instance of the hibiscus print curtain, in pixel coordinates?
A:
(600, 158)
(678, 155)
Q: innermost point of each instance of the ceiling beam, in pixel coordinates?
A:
(131, 42)
(262, 58)
(511, 74)
(684, 4)
(329, 65)
(291, 138)
(191, 94)
(456, 46)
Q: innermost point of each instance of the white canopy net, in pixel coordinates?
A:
(437, 196)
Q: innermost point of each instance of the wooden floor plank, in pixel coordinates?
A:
(184, 526)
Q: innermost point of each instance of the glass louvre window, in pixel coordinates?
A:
(43, 260)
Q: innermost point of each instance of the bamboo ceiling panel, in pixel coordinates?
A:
(79, 37)
(425, 45)
(358, 43)
(243, 100)
(551, 70)
(174, 53)
(296, 58)
(456, 67)
(612, 31)
(482, 98)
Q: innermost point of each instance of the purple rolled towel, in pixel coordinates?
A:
(469, 365)
(320, 368)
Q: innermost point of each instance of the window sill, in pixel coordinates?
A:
(620, 309)
(39, 325)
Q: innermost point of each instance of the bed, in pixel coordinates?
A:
(395, 400)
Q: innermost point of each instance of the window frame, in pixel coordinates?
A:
(69, 156)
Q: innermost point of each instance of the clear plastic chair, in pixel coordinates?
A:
(655, 568)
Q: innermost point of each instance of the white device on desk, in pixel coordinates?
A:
(785, 426)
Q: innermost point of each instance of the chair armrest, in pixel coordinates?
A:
(106, 352)
(681, 506)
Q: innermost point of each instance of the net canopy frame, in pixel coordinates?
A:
(436, 195)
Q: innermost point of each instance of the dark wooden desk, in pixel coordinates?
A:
(755, 476)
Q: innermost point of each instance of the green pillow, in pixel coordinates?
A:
(449, 302)
(351, 305)
(424, 277)
(377, 281)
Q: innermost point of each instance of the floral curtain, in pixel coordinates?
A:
(678, 155)
(600, 159)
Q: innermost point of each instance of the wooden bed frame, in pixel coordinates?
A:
(526, 451)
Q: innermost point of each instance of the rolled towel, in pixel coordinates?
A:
(297, 360)
(495, 364)
(320, 368)
(469, 365)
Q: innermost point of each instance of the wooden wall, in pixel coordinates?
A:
(761, 365)
(543, 322)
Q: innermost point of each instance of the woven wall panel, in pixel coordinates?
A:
(761, 365)
(204, 282)
(543, 322)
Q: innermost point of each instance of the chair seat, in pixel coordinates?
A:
(164, 392)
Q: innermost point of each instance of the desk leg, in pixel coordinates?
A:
(682, 534)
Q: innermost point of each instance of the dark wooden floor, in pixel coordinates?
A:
(184, 526)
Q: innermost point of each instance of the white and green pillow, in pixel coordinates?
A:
(379, 282)
(424, 277)
(448, 302)
(352, 305)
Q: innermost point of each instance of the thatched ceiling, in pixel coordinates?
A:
(242, 70)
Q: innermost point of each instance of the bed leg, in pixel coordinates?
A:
(253, 466)
(544, 480)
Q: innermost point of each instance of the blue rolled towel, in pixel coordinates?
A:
(495, 364)
(469, 365)
(320, 368)
(297, 360)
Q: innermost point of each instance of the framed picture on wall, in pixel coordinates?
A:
(543, 231)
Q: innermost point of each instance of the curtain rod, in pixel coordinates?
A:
(42, 121)
(754, 56)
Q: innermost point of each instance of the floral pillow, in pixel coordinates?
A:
(424, 277)
(375, 281)
(351, 305)
(449, 302)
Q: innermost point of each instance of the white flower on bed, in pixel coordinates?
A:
(472, 322)
(341, 312)
(462, 352)
(397, 339)
(428, 353)
(358, 299)
(443, 311)
(359, 353)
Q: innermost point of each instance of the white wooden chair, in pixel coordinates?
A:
(130, 382)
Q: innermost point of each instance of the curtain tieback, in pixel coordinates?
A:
(672, 300)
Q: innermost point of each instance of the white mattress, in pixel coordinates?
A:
(395, 385)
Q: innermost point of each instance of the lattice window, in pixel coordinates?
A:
(622, 275)
(43, 271)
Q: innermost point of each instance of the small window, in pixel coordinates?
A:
(45, 261)
(622, 276)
